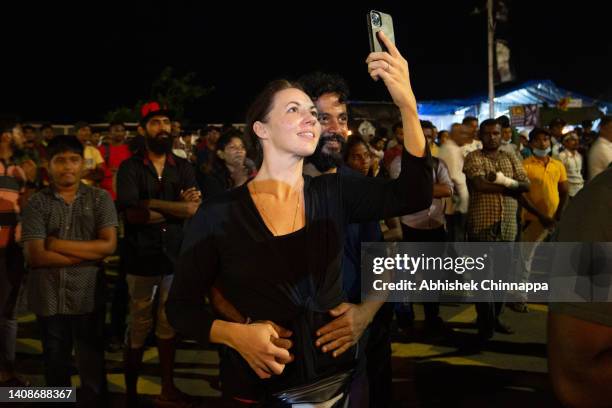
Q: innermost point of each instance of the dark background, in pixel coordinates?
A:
(71, 62)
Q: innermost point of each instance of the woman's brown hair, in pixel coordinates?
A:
(259, 110)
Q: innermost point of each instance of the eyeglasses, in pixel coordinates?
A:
(235, 148)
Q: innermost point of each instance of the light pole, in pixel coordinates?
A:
(491, 43)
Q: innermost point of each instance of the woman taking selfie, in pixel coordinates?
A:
(274, 245)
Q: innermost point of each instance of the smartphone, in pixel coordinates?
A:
(378, 21)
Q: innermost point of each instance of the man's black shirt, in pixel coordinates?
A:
(152, 249)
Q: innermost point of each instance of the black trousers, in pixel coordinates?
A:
(404, 312)
(378, 355)
(455, 226)
(488, 312)
(120, 297)
(423, 235)
(85, 333)
(12, 274)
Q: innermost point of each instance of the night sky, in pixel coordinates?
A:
(67, 63)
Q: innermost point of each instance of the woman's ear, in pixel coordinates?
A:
(260, 130)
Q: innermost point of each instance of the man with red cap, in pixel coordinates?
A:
(156, 193)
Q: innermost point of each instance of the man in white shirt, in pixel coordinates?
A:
(425, 226)
(572, 160)
(457, 205)
(473, 143)
(555, 128)
(600, 155)
(506, 142)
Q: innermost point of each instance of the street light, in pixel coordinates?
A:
(491, 42)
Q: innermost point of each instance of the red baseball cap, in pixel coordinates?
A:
(153, 108)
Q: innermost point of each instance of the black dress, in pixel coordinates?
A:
(292, 279)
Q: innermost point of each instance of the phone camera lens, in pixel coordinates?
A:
(376, 21)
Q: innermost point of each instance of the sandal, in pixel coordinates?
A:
(503, 328)
(178, 400)
(518, 307)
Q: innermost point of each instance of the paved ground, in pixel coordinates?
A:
(440, 371)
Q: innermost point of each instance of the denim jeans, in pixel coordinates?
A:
(11, 277)
(85, 333)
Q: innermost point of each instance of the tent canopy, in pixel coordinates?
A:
(445, 112)
(532, 92)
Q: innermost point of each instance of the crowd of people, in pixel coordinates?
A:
(250, 239)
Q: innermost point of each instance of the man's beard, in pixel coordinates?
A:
(158, 144)
(324, 161)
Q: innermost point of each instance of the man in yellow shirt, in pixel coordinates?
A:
(93, 170)
(543, 204)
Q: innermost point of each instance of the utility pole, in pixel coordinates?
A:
(491, 43)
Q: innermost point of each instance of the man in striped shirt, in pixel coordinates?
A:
(12, 188)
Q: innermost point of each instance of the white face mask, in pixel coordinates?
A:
(541, 152)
